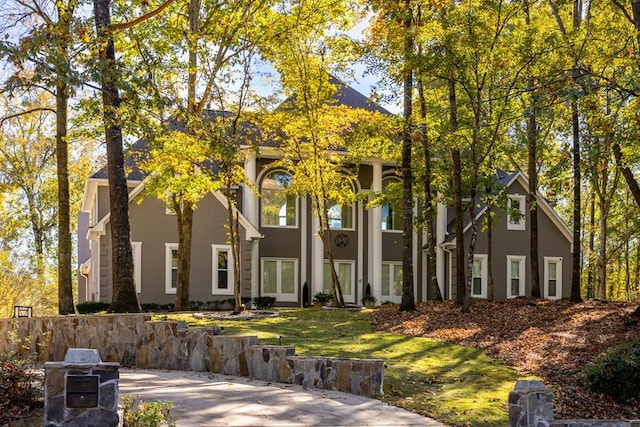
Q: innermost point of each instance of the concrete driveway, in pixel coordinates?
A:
(204, 399)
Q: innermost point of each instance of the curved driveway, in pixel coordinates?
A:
(204, 399)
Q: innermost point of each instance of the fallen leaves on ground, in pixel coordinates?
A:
(553, 340)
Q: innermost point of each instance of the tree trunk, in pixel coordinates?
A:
(601, 291)
(457, 197)
(124, 297)
(408, 301)
(532, 141)
(65, 287)
(592, 237)
(490, 282)
(184, 214)
(234, 238)
(433, 289)
(576, 258)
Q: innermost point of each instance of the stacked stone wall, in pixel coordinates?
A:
(133, 340)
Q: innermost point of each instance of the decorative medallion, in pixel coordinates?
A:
(341, 240)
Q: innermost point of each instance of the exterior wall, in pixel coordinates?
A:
(209, 222)
(552, 243)
(84, 254)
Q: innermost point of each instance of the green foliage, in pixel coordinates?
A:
(138, 413)
(90, 307)
(369, 300)
(20, 388)
(617, 373)
(323, 297)
(263, 303)
(153, 307)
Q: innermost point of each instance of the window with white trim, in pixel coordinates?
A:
(515, 276)
(278, 209)
(391, 282)
(340, 216)
(280, 278)
(392, 206)
(479, 276)
(346, 275)
(516, 214)
(136, 250)
(171, 268)
(222, 270)
(553, 277)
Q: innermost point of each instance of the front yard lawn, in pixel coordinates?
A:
(454, 384)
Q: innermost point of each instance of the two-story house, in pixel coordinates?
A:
(282, 255)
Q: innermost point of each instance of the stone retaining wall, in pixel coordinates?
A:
(134, 340)
(531, 405)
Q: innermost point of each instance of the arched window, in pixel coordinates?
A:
(278, 208)
(392, 207)
(340, 216)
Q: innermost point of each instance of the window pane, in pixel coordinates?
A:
(386, 217)
(277, 208)
(385, 279)
(552, 270)
(552, 288)
(515, 287)
(477, 286)
(335, 216)
(174, 268)
(223, 279)
(270, 277)
(287, 277)
(223, 260)
(397, 280)
(344, 275)
(477, 268)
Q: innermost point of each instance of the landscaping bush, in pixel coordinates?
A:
(196, 305)
(150, 307)
(21, 390)
(369, 300)
(323, 297)
(264, 303)
(137, 413)
(90, 307)
(617, 373)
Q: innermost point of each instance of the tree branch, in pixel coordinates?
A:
(142, 18)
(24, 113)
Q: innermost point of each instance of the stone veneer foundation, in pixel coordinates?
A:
(133, 340)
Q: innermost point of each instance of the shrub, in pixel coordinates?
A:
(263, 303)
(196, 305)
(20, 388)
(90, 307)
(369, 300)
(137, 413)
(150, 307)
(617, 373)
(323, 297)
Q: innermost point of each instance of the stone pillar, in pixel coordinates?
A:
(529, 403)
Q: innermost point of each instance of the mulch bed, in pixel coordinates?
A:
(553, 340)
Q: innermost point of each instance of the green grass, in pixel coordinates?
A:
(456, 385)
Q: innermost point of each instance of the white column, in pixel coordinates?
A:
(250, 208)
(376, 236)
(317, 259)
(304, 248)
(441, 229)
(250, 199)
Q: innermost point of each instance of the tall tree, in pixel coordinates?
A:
(46, 47)
(124, 298)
